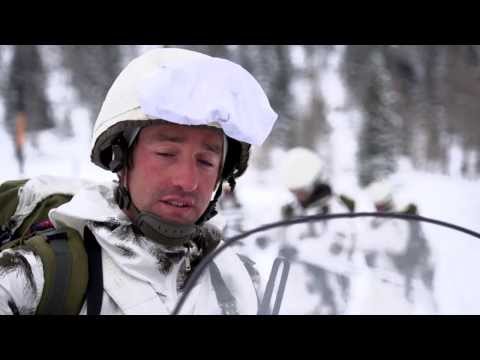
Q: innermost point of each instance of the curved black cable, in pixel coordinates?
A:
(298, 220)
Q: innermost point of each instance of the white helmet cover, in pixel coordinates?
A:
(188, 88)
(380, 191)
(301, 168)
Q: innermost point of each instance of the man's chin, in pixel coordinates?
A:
(177, 219)
(176, 215)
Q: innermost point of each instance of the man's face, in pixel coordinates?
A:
(302, 195)
(175, 169)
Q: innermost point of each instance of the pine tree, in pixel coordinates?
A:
(313, 127)
(26, 86)
(370, 83)
(377, 149)
(92, 70)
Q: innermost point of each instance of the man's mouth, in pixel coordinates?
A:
(178, 203)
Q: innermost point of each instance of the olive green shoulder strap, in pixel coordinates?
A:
(65, 268)
(348, 202)
(410, 209)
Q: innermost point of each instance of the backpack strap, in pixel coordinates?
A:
(65, 270)
(225, 298)
(95, 281)
(264, 308)
(410, 209)
(348, 202)
(253, 273)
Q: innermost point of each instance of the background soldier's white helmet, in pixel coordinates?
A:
(381, 192)
(301, 168)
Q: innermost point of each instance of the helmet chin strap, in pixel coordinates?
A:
(211, 210)
(154, 227)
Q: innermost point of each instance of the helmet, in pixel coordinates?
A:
(381, 193)
(187, 88)
(301, 168)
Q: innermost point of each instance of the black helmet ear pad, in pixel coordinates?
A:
(116, 155)
(236, 161)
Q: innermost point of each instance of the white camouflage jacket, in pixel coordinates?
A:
(140, 276)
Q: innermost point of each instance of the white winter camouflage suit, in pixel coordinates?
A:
(140, 276)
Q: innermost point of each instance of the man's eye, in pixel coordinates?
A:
(206, 163)
(163, 154)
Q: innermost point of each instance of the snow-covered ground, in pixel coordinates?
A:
(448, 198)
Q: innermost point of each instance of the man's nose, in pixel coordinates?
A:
(186, 176)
